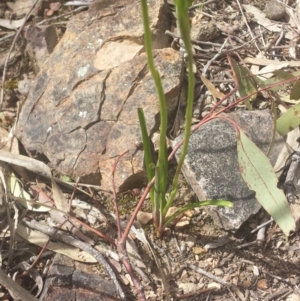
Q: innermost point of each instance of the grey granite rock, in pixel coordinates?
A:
(81, 111)
(211, 166)
(204, 32)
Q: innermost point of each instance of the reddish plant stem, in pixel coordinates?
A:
(135, 212)
(126, 262)
(115, 197)
(73, 194)
(121, 242)
(107, 238)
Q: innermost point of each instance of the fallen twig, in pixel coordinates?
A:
(68, 239)
(246, 22)
(262, 225)
(214, 58)
(278, 277)
(279, 293)
(69, 14)
(209, 275)
(229, 286)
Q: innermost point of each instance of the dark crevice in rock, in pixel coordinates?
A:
(102, 94)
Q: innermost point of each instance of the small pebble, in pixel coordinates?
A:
(262, 284)
(24, 86)
(274, 10)
(218, 272)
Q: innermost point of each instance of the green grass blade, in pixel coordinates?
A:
(182, 7)
(157, 217)
(148, 157)
(159, 194)
(223, 203)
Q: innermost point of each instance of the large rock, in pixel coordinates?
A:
(211, 166)
(81, 112)
(64, 282)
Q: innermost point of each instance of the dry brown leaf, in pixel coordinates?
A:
(48, 12)
(40, 239)
(294, 18)
(293, 48)
(270, 25)
(26, 162)
(271, 65)
(55, 6)
(62, 204)
(42, 169)
(212, 89)
(21, 7)
(290, 145)
(12, 24)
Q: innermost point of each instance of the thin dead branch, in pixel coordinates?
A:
(246, 22)
(68, 239)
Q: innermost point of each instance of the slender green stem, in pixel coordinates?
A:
(184, 25)
(161, 169)
(156, 78)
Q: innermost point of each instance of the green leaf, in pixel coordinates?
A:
(278, 78)
(295, 93)
(149, 160)
(66, 179)
(197, 205)
(274, 113)
(283, 75)
(289, 120)
(246, 83)
(259, 175)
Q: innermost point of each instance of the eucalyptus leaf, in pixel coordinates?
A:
(259, 175)
(246, 83)
(295, 93)
(289, 120)
(278, 78)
